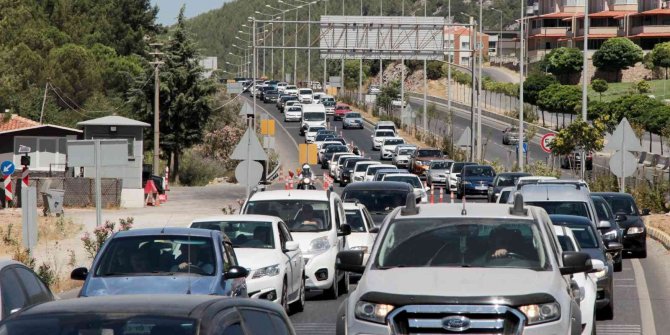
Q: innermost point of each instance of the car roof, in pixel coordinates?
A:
(385, 166)
(389, 170)
(385, 123)
(553, 192)
(522, 174)
(536, 178)
(393, 138)
(377, 185)
(179, 231)
(368, 161)
(290, 194)
(401, 175)
(572, 219)
(238, 217)
(473, 210)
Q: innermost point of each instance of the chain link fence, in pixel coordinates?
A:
(79, 192)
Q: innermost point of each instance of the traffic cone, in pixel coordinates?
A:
(432, 195)
(441, 195)
(452, 197)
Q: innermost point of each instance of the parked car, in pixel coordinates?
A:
(264, 245)
(475, 180)
(503, 180)
(341, 110)
(421, 159)
(352, 120)
(379, 197)
(21, 288)
(151, 315)
(630, 220)
(438, 171)
(574, 159)
(164, 261)
(590, 242)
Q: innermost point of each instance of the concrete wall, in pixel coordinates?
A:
(131, 174)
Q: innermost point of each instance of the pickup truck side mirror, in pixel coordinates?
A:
(291, 246)
(79, 274)
(575, 262)
(350, 260)
(604, 224)
(345, 230)
(646, 212)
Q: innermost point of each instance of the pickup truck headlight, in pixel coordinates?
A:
(268, 271)
(318, 246)
(541, 313)
(635, 230)
(372, 312)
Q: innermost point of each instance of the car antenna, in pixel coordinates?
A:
(167, 223)
(464, 212)
(188, 257)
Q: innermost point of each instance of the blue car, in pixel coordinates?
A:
(164, 261)
(475, 180)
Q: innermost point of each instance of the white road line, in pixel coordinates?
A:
(314, 328)
(281, 125)
(646, 312)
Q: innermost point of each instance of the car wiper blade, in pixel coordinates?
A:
(112, 274)
(391, 267)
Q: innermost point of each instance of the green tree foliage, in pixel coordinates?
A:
(579, 134)
(352, 71)
(600, 86)
(534, 84)
(434, 70)
(617, 54)
(557, 98)
(564, 61)
(643, 86)
(184, 95)
(660, 56)
(387, 94)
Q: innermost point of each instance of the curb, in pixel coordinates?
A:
(659, 236)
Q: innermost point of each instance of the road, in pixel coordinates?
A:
(642, 285)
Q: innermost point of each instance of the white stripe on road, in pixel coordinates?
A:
(646, 312)
(609, 329)
(314, 328)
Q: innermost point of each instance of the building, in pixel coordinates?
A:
(47, 143)
(558, 23)
(209, 64)
(458, 37)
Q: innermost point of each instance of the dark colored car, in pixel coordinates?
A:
(328, 153)
(608, 227)
(271, 96)
(164, 261)
(21, 288)
(379, 197)
(630, 221)
(151, 315)
(283, 99)
(502, 180)
(348, 169)
(591, 243)
(420, 161)
(262, 90)
(574, 160)
(475, 180)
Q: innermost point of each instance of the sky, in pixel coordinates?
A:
(169, 9)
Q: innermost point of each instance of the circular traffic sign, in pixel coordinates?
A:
(249, 173)
(546, 141)
(7, 168)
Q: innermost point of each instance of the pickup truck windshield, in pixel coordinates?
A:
(576, 208)
(299, 215)
(462, 242)
(429, 153)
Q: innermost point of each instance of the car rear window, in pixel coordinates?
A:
(429, 153)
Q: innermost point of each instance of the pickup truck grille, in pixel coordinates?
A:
(457, 319)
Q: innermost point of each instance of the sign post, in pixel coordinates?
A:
(248, 150)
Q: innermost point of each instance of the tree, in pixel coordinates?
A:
(617, 54)
(557, 98)
(564, 61)
(579, 135)
(600, 86)
(660, 56)
(643, 86)
(434, 70)
(74, 73)
(534, 84)
(185, 96)
(351, 72)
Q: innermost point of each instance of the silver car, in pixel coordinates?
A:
(352, 120)
(438, 172)
(402, 155)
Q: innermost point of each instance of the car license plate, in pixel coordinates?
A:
(481, 188)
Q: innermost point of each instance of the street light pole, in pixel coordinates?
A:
(520, 153)
(360, 70)
(585, 73)
(450, 56)
(480, 48)
(325, 61)
(157, 82)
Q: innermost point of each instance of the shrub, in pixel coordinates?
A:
(196, 170)
(92, 244)
(643, 86)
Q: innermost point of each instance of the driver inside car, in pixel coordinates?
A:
(307, 217)
(501, 243)
(195, 259)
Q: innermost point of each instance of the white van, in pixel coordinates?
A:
(312, 115)
(305, 95)
(318, 222)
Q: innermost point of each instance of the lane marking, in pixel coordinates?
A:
(646, 311)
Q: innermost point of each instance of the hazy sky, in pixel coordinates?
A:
(169, 9)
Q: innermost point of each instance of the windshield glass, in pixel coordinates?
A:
(602, 209)
(352, 115)
(243, 234)
(563, 207)
(622, 205)
(585, 236)
(352, 162)
(429, 153)
(355, 220)
(373, 169)
(295, 109)
(440, 165)
(337, 148)
(384, 133)
(412, 180)
(458, 167)
(462, 242)
(314, 116)
(377, 201)
(504, 196)
(328, 103)
(100, 324)
(478, 171)
(565, 242)
(299, 215)
(394, 141)
(389, 127)
(272, 92)
(157, 256)
(507, 180)
(363, 167)
(305, 92)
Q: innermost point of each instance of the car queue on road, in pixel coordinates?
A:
(540, 262)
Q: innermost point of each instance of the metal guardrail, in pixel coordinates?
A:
(275, 173)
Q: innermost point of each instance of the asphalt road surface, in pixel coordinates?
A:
(642, 289)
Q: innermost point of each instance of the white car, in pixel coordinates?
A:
(532, 180)
(371, 170)
(328, 102)
(281, 87)
(587, 282)
(363, 229)
(334, 164)
(316, 220)
(291, 89)
(263, 244)
(402, 155)
(316, 97)
(359, 170)
(310, 133)
(388, 146)
(379, 136)
(291, 103)
(305, 95)
(293, 113)
(411, 179)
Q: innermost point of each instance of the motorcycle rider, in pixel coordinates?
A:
(306, 172)
(306, 178)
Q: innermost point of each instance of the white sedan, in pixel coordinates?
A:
(363, 229)
(411, 179)
(378, 138)
(264, 245)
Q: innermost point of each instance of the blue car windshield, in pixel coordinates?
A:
(157, 255)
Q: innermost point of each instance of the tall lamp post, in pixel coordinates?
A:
(272, 40)
(585, 73)
(295, 51)
(309, 39)
(520, 153)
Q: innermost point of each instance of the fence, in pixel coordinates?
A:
(79, 192)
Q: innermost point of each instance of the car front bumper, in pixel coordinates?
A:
(476, 190)
(294, 117)
(387, 154)
(635, 242)
(261, 288)
(324, 262)
(354, 124)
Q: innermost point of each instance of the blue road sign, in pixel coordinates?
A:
(7, 168)
(525, 147)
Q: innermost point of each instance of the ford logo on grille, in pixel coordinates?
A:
(456, 323)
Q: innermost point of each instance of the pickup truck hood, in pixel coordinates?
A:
(455, 282)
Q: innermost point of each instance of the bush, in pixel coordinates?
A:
(651, 195)
(196, 170)
(93, 244)
(643, 86)
(617, 54)
(434, 70)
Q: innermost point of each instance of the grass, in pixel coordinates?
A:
(659, 221)
(617, 90)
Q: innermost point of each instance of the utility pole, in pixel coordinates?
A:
(480, 55)
(157, 82)
(520, 153)
(450, 55)
(44, 100)
(325, 61)
(473, 30)
(342, 60)
(360, 71)
(425, 80)
(585, 73)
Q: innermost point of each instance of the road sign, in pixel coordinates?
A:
(7, 168)
(246, 110)
(525, 147)
(268, 127)
(249, 173)
(307, 153)
(464, 140)
(249, 148)
(24, 149)
(545, 142)
(623, 139)
(234, 88)
(623, 164)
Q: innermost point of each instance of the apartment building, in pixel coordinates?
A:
(459, 38)
(557, 23)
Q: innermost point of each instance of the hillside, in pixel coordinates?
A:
(215, 31)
